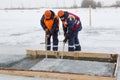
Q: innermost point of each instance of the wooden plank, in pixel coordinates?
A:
(116, 66)
(49, 53)
(46, 74)
(71, 54)
(31, 53)
(86, 54)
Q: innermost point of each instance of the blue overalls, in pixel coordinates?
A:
(71, 27)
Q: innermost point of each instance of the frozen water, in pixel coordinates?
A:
(82, 67)
(7, 60)
(21, 30)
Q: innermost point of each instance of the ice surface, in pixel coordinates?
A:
(17, 35)
(7, 60)
(76, 66)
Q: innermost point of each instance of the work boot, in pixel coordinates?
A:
(48, 48)
(78, 48)
(55, 48)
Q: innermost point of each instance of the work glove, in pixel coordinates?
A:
(47, 33)
(65, 40)
(46, 29)
(47, 36)
(57, 28)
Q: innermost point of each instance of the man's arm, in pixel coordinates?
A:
(54, 25)
(42, 23)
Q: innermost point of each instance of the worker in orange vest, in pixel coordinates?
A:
(50, 24)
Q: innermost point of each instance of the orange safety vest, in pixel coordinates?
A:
(49, 23)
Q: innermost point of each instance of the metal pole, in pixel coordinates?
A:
(90, 21)
(11, 3)
(63, 50)
(46, 45)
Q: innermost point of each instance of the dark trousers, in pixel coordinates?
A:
(55, 41)
(73, 42)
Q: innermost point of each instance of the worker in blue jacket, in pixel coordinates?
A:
(50, 24)
(71, 26)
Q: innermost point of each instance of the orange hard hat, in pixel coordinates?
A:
(47, 14)
(60, 13)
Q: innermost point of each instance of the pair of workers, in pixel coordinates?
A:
(71, 26)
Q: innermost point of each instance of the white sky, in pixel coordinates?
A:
(45, 3)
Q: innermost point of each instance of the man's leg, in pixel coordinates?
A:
(48, 43)
(77, 44)
(71, 43)
(55, 41)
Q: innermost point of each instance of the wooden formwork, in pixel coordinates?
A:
(58, 75)
(102, 57)
(74, 55)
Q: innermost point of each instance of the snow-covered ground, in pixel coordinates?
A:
(21, 30)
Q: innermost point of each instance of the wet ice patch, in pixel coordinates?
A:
(76, 66)
(8, 60)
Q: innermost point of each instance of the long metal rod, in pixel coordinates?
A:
(46, 46)
(63, 50)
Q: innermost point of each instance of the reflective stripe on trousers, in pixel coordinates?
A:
(48, 47)
(70, 47)
(55, 47)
